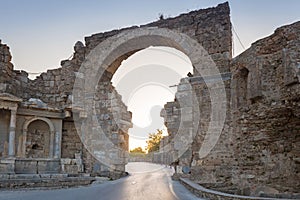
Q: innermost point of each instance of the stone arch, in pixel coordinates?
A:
(111, 52)
(107, 57)
(132, 41)
(51, 138)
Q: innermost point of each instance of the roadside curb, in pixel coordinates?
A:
(45, 183)
(202, 192)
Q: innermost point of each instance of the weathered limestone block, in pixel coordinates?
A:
(7, 166)
(48, 166)
(26, 166)
(72, 166)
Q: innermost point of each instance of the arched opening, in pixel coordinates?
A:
(147, 80)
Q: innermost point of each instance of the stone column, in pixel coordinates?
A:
(57, 150)
(24, 143)
(51, 151)
(12, 133)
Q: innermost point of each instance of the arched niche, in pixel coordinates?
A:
(43, 130)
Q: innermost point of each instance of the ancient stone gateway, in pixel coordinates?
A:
(232, 126)
(97, 60)
(107, 56)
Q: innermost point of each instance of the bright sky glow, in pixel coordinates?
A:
(144, 81)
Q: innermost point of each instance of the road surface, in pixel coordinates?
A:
(146, 182)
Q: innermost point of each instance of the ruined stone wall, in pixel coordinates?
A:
(172, 115)
(265, 110)
(11, 81)
(6, 67)
(216, 168)
(72, 147)
(71, 142)
(55, 88)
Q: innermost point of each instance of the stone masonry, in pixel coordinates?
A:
(257, 151)
(52, 93)
(265, 112)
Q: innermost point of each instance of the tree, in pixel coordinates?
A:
(137, 150)
(154, 141)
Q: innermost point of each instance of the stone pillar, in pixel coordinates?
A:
(12, 133)
(57, 148)
(24, 143)
(51, 150)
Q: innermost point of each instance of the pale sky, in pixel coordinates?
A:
(41, 33)
(144, 81)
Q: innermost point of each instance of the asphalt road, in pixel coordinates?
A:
(146, 182)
